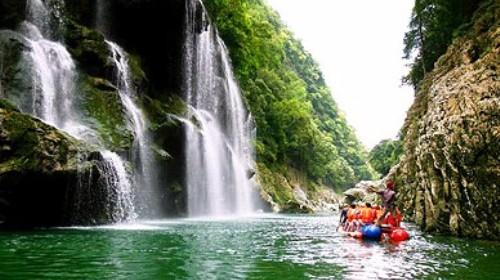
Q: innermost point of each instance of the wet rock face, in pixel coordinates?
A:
(40, 168)
(154, 30)
(291, 194)
(15, 79)
(447, 179)
(12, 12)
(151, 29)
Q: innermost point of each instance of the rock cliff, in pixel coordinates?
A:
(40, 170)
(448, 177)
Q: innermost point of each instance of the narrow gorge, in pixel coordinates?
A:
(193, 122)
(199, 139)
(169, 130)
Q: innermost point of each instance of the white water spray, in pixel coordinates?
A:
(219, 154)
(119, 188)
(53, 101)
(142, 153)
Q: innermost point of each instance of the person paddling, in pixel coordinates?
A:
(388, 196)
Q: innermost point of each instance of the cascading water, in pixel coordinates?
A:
(120, 193)
(54, 74)
(142, 154)
(219, 153)
(54, 96)
(53, 80)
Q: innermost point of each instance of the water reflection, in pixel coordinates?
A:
(266, 247)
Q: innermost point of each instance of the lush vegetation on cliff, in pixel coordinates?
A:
(434, 24)
(299, 124)
(448, 175)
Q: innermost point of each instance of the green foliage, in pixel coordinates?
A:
(275, 185)
(105, 110)
(432, 28)
(298, 122)
(385, 155)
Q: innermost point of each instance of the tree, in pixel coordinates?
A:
(298, 122)
(431, 30)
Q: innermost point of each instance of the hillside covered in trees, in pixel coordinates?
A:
(299, 125)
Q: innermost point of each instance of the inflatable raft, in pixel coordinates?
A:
(381, 233)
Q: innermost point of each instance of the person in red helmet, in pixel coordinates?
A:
(388, 195)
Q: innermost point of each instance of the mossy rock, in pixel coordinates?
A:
(29, 144)
(290, 194)
(296, 208)
(138, 76)
(48, 178)
(89, 48)
(275, 185)
(15, 69)
(161, 113)
(104, 109)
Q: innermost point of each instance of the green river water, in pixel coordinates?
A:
(262, 247)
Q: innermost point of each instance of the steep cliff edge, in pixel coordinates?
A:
(448, 177)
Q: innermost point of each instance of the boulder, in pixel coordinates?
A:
(364, 191)
(42, 172)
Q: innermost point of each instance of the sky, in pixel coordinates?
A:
(359, 47)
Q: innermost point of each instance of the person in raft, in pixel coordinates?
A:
(388, 195)
(352, 215)
(343, 215)
(394, 219)
(366, 215)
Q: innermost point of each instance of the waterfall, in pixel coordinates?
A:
(142, 154)
(53, 80)
(53, 100)
(120, 193)
(219, 152)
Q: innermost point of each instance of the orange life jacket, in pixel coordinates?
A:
(366, 215)
(351, 214)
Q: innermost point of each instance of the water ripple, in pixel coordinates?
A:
(266, 247)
